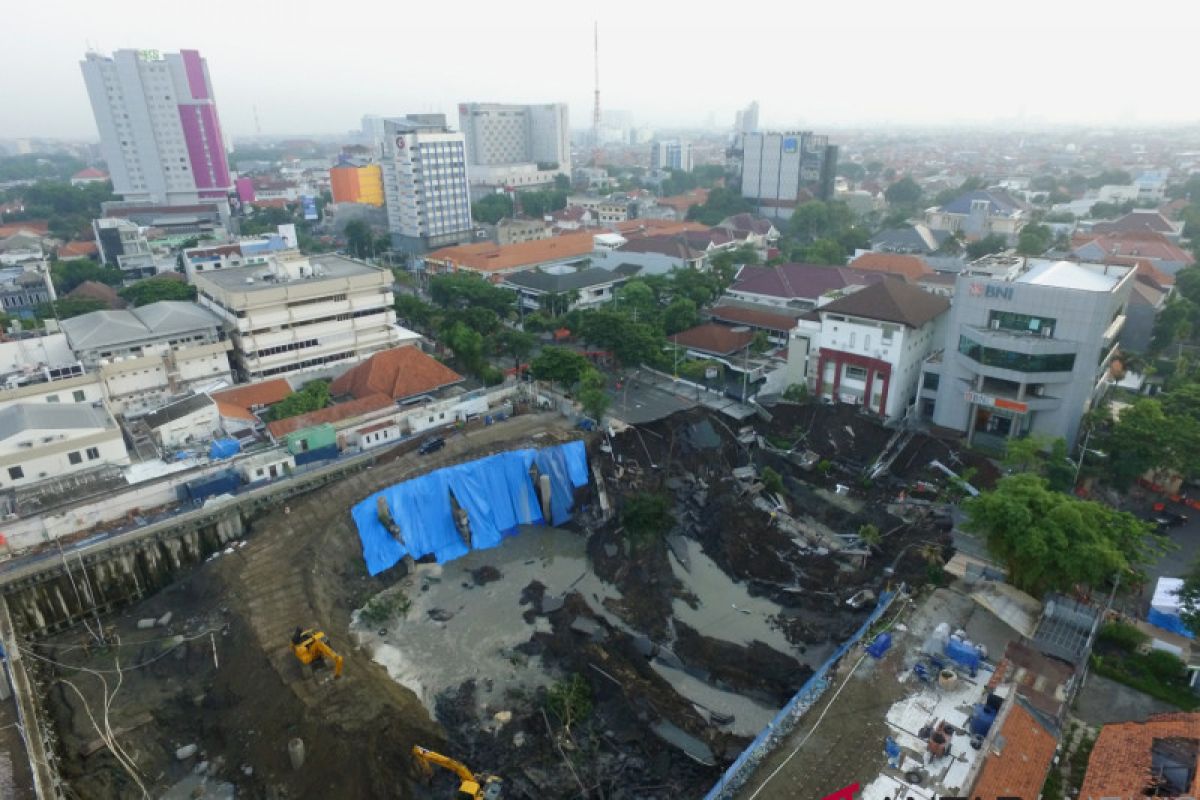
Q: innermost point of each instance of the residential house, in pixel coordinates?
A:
(797, 286)
(589, 286)
(100, 292)
(680, 203)
(401, 374)
(123, 244)
(751, 231)
(777, 323)
(493, 261)
(978, 214)
(657, 255)
(1019, 755)
(1157, 757)
(911, 268)
(866, 347)
(340, 415)
(77, 251)
(245, 252)
(1142, 220)
(266, 466)
(1130, 247)
(190, 420)
(21, 246)
(24, 288)
(146, 356)
(713, 340)
(512, 231)
(40, 441)
(918, 238)
(1146, 299)
(89, 175)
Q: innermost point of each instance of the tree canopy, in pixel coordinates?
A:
(721, 203)
(1035, 239)
(66, 275)
(1052, 541)
(904, 192)
(538, 204)
(592, 396)
(313, 397)
(492, 208)
(560, 365)
(992, 243)
(152, 290)
(462, 290)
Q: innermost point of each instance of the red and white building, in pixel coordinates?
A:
(866, 347)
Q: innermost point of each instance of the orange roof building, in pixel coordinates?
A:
(493, 260)
(253, 396)
(912, 268)
(397, 374)
(73, 250)
(333, 415)
(713, 339)
(1124, 757)
(1019, 758)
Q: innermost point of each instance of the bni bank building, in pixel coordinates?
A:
(1028, 348)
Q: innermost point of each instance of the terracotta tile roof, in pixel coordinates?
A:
(1121, 758)
(800, 281)
(1040, 679)
(335, 413)
(94, 290)
(397, 374)
(911, 267)
(90, 173)
(255, 395)
(671, 246)
(1146, 270)
(1139, 220)
(891, 301)
(1020, 768)
(682, 202)
(773, 320)
(1141, 244)
(656, 227)
(714, 338)
(489, 257)
(232, 411)
(77, 249)
(30, 226)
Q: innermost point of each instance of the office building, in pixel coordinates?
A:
(671, 154)
(783, 170)
(746, 120)
(42, 441)
(515, 146)
(425, 183)
(159, 129)
(300, 314)
(1027, 349)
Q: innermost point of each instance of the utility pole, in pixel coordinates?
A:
(596, 105)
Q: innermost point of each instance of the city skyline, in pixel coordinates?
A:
(884, 65)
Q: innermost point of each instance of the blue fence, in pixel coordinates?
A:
(770, 737)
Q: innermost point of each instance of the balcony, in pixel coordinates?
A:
(1026, 343)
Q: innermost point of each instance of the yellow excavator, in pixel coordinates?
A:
(470, 785)
(310, 645)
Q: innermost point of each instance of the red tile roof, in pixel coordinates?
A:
(77, 249)
(233, 411)
(397, 374)
(682, 202)
(714, 338)
(335, 413)
(1020, 768)
(488, 257)
(90, 173)
(255, 395)
(1140, 244)
(911, 267)
(94, 290)
(29, 226)
(752, 316)
(1121, 759)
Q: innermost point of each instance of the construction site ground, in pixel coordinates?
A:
(684, 644)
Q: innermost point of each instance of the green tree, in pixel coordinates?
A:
(152, 290)
(647, 518)
(1139, 441)
(560, 365)
(538, 204)
(1175, 323)
(818, 220)
(870, 535)
(562, 183)
(67, 307)
(1187, 283)
(824, 251)
(1035, 239)
(760, 343)
(313, 397)
(360, 242)
(415, 312)
(569, 701)
(592, 394)
(1054, 541)
(680, 315)
(555, 304)
(66, 275)
(772, 481)
(516, 344)
(721, 203)
(678, 182)
(637, 298)
(467, 345)
(464, 290)
(904, 192)
(992, 243)
(851, 171)
(1110, 177)
(492, 208)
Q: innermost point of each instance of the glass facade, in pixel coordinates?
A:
(1018, 362)
(1021, 323)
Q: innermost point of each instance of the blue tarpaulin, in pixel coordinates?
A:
(1168, 622)
(224, 448)
(496, 492)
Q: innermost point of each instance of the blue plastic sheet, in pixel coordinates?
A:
(496, 492)
(224, 448)
(1168, 622)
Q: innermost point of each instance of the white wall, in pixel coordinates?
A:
(201, 424)
(45, 460)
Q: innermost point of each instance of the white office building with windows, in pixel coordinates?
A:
(159, 129)
(302, 314)
(1028, 347)
(425, 183)
(515, 146)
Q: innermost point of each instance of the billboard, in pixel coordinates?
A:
(309, 204)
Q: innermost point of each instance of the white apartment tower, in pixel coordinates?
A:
(673, 154)
(515, 146)
(159, 130)
(425, 183)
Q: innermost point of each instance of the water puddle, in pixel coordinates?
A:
(726, 610)
(749, 717)
(453, 633)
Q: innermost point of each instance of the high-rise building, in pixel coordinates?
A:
(783, 170)
(746, 120)
(372, 131)
(357, 183)
(671, 154)
(159, 130)
(425, 183)
(515, 146)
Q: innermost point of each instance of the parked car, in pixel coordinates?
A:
(431, 445)
(1169, 519)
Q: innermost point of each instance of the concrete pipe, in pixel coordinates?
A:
(296, 752)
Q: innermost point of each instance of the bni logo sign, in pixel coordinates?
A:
(987, 290)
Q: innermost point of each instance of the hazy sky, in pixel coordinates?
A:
(317, 67)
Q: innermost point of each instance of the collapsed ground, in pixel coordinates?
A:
(606, 712)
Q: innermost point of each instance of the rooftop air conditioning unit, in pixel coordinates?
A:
(1046, 332)
(995, 324)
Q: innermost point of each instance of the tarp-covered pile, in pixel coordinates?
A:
(496, 492)
(1166, 605)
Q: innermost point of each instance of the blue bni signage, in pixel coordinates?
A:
(309, 204)
(991, 291)
(790, 144)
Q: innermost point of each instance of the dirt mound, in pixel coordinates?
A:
(755, 670)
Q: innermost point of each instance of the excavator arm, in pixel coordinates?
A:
(310, 645)
(470, 787)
